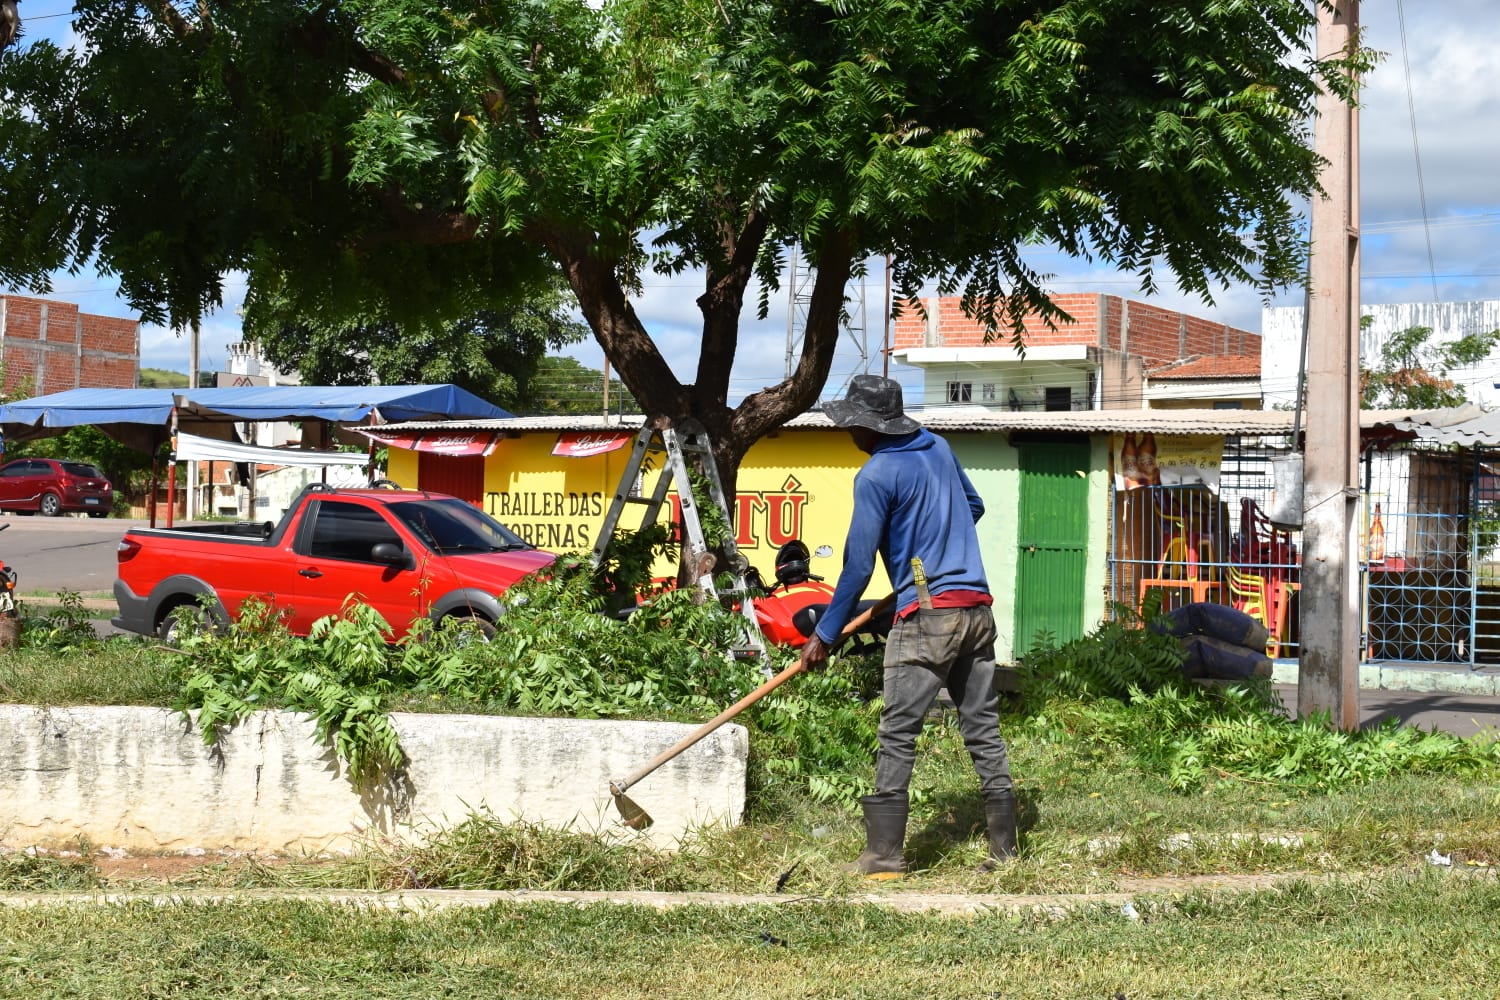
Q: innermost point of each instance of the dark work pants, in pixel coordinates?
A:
(927, 651)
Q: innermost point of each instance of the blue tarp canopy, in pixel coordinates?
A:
(62, 410)
(142, 418)
(337, 404)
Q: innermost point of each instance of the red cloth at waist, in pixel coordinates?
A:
(952, 599)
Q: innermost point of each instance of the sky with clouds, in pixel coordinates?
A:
(1440, 72)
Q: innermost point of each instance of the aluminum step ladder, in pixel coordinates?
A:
(686, 448)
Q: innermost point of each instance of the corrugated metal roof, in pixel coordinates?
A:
(1481, 430)
(982, 420)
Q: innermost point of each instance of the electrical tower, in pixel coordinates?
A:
(853, 325)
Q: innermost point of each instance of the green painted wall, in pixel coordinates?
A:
(992, 464)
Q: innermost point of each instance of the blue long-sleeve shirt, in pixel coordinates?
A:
(911, 498)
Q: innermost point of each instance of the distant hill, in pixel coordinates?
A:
(158, 378)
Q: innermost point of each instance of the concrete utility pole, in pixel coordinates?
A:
(1328, 671)
(193, 499)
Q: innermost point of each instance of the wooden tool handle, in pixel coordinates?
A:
(855, 624)
(697, 734)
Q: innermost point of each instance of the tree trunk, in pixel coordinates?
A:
(634, 355)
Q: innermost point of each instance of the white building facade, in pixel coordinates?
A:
(1281, 343)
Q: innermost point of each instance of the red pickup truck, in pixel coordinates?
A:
(404, 553)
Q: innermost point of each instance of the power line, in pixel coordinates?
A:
(1446, 222)
(1416, 148)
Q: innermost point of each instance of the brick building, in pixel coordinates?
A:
(1115, 354)
(48, 346)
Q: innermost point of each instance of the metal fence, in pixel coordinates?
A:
(1428, 548)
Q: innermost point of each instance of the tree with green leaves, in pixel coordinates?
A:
(372, 161)
(566, 385)
(1414, 373)
(495, 354)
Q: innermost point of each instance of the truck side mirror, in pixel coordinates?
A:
(392, 554)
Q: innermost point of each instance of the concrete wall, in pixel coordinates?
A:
(994, 468)
(51, 346)
(1107, 321)
(1449, 321)
(143, 779)
(993, 465)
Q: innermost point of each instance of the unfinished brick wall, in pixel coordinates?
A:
(1150, 332)
(48, 346)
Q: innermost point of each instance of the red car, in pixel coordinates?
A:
(54, 486)
(402, 552)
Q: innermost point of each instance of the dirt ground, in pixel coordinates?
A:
(151, 871)
(163, 869)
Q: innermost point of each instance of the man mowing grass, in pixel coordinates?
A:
(914, 505)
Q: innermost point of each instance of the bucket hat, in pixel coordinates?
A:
(873, 402)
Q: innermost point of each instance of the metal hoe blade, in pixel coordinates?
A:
(637, 818)
(631, 814)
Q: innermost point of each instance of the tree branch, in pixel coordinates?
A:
(616, 326)
(317, 37)
(425, 228)
(721, 305)
(764, 411)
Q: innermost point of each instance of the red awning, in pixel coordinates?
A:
(458, 443)
(586, 444)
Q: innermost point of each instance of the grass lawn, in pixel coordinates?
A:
(1357, 913)
(1091, 816)
(1428, 934)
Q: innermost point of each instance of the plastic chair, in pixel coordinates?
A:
(1260, 540)
(1248, 593)
(1187, 546)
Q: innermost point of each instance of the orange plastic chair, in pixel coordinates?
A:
(1248, 593)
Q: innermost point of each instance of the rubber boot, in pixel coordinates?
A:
(1000, 819)
(885, 833)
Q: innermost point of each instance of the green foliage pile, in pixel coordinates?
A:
(21, 872)
(1118, 657)
(1193, 737)
(553, 654)
(484, 853)
(339, 675)
(1121, 689)
(64, 628)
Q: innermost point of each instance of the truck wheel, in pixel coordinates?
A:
(173, 626)
(471, 628)
(51, 505)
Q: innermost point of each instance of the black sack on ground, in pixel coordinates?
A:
(1221, 643)
(1217, 620)
(1209, 658)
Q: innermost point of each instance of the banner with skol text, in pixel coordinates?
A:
(1143, 458)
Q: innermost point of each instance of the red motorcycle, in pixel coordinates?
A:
(9, 616)
(788, 610)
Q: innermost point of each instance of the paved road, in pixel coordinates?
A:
(62, 553)
(1461, 714)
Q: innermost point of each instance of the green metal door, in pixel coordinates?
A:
(1053, 539)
